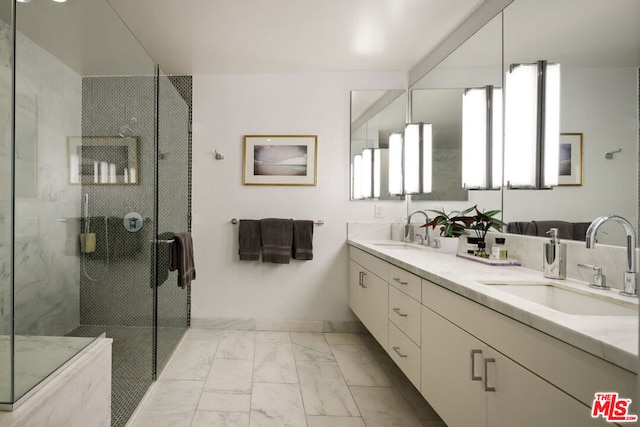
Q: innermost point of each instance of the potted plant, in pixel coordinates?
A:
(481, 223)
(451, 226)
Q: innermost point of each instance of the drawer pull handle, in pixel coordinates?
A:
(397, 311)
(472, 356)
(397, 280)
(397, 350)
(364, 276)
(485, 382)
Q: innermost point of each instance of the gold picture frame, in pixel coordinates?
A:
(280, 160)
(570, 167)
(103, 160)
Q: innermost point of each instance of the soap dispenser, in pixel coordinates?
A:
(554, 265)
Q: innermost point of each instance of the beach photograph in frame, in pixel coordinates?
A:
(280, 159)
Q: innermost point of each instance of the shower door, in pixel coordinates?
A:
(172, 212)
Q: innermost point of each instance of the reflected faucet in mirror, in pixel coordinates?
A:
(630, 277)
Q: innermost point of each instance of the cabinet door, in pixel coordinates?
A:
(452, 372)
(522, 398)
(369, 299)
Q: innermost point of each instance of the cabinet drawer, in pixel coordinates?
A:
(375, 265)
(405, 353)
(407, 282)
(404, 312)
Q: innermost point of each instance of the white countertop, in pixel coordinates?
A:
(612, 338)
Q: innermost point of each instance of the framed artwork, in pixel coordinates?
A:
(103, 160)
(280, 160)
(570, 168)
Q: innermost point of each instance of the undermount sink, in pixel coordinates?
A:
(567, 301)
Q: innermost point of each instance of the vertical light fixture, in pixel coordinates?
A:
(417, 159)
(377, 173)
(357, 176)
(367, 173)
(396, 179)
(369, 165)
(532, 125)
(482, 138)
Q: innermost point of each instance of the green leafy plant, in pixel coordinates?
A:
(451, 224)
(482, 222)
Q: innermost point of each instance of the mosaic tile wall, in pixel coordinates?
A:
(125, 295)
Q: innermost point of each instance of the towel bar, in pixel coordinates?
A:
(319, 222)
(162, 241)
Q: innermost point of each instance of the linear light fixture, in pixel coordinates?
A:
(417, 158)
(482, 138)
(396, 177)
(356, 173)
(532, 125)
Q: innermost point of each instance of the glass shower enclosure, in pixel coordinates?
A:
(94, 176)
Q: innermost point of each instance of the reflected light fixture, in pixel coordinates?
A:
(356, 173)
(396, 181)
(532, 125)
(417, 159)
(370, 173)
(482, 138)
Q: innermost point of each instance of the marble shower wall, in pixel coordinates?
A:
(48, 109)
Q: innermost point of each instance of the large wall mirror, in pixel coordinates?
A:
(437, 99)
(375, 115)
(598, 49)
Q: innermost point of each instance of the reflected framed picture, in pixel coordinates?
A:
(570, 167)
(280, 160)
(103, 160)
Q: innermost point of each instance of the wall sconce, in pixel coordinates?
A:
(367, 173)
(396, 178)
(482, 138)
(417, 158)
(532, 125)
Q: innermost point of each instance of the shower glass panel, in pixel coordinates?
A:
(173, 168)
(78, 257)
(6, 197)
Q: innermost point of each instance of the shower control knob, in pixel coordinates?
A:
(133, 222)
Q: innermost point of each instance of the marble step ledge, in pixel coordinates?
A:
(324, 326)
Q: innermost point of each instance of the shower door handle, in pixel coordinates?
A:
(156, 241)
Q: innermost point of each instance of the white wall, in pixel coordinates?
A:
(227, 107)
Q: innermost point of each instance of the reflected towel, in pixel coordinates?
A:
(182, 259)
(277, 240)
(522, 227)
(565, 229)
(580, 230)
(249, 240)
(303, 239)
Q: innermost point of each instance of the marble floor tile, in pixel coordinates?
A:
(171, 403)
(344, 338)
(220, 419)
(202, 334)
(289, 325)
(268, 336)
(359, 367)
(230, 374)
(191, 360)
(324, 390)
(225, 401)
(277, 405)
(316, 421)
(384, 407)
(236, 345)
(274, 363)
(311, 346)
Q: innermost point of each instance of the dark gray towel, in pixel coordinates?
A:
(182, 259)
(522, 227)
(164, 257)
(580, 230)
(72, 241)
(277, 240)
(303, 239)
(249, 239)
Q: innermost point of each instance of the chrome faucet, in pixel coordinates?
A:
(409, 231)
(630, 284)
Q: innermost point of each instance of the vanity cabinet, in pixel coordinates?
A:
(469, 380)
(369, 293)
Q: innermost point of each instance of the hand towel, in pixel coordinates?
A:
(164, 257)
(182, 259)
(277, 240)
(303, 240)
(565, 229)
(249, 239)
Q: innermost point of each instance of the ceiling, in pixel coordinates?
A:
(290, 36)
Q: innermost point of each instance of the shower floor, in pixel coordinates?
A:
(132, 363)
